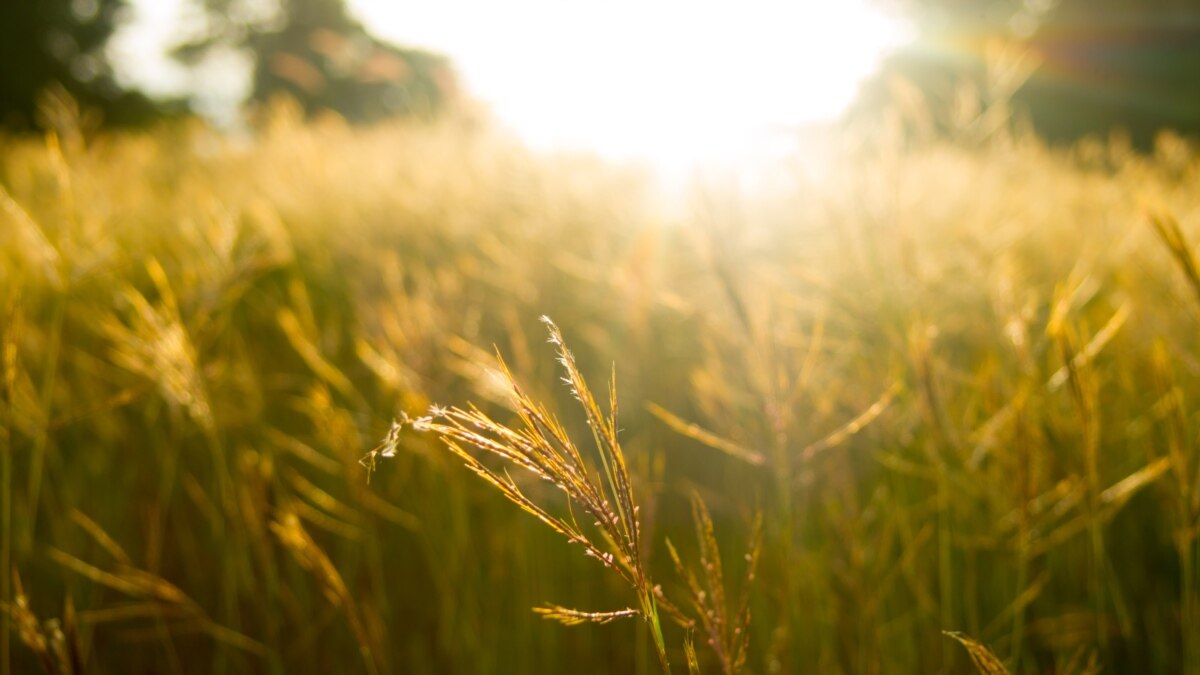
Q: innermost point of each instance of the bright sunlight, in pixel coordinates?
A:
(670, 82)
(673, 84)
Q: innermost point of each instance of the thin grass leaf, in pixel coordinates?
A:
(701, 435)
(1093, 347)
(689, 651)
(985, 661)
(1172, 237)
(860, 422)
(1120, 492)
(575, 617)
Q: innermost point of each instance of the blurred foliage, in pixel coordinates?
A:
(51, 47)
(314, 52)
(960, 384)
(1081, 66)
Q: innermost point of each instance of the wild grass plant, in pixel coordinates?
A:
(941, 387)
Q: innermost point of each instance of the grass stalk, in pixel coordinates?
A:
(1017, 635)
(542, 447)
(1083, 394)
(37, 458)
(1188, 607)
(8, 367)
(1181, 451)
(5, 538)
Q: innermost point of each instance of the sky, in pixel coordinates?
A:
(670, 82)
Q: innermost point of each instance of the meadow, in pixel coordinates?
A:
(942, 385)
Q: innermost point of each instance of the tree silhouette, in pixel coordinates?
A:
(317, 53)
(60, 43)
(1094, 65)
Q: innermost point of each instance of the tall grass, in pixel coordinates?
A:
(543, 448)
(940, 387)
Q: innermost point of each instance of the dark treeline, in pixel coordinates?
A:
(315, 52)
(311, 50)
(1086, 66)
(49, 46)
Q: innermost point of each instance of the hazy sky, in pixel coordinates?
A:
(665, 80)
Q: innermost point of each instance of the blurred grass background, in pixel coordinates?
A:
(958, 379)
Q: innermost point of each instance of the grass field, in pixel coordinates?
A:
(955, 384)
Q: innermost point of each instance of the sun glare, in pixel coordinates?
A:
(675, 84)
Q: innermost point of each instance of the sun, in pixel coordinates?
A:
(675, 84)
(669, 83)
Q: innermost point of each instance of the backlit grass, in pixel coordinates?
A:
(932, 388)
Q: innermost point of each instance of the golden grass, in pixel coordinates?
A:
(942, 387)
(543, 448)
